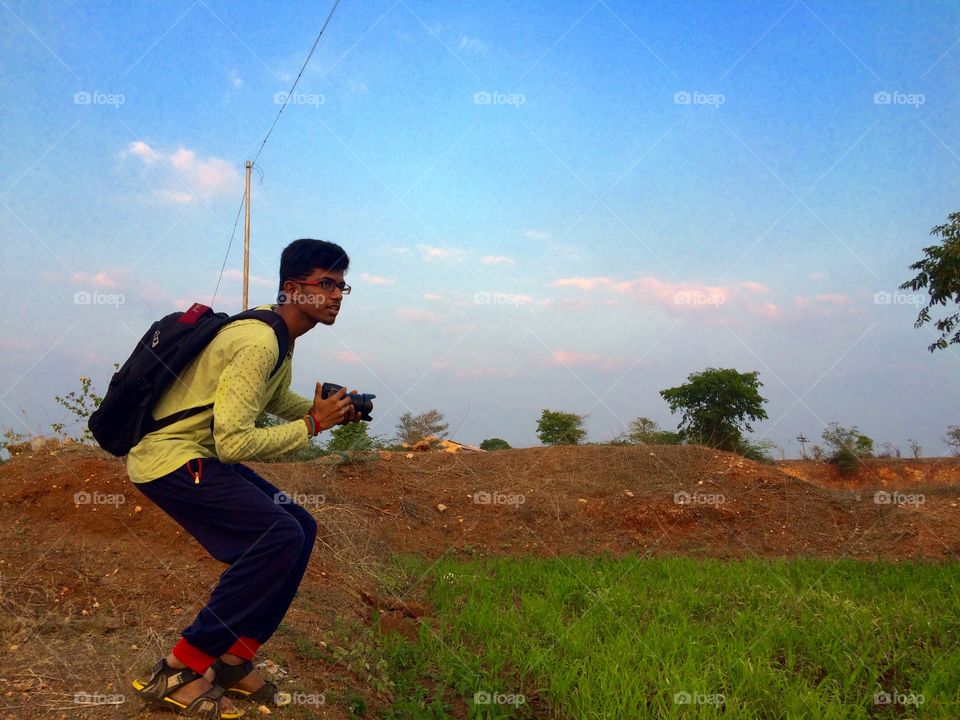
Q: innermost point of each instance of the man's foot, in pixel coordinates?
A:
(251, 682)
(192, 690)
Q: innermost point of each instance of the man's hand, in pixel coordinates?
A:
(335, 410)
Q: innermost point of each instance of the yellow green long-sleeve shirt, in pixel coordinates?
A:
(233, 373)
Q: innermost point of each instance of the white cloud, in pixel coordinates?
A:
(752, 286)
(537, 235)
(220, 302)
(583, 283)
(143, 151)
(472, 44)
(375, 279)
(497, 260)
(114, 280)
(434, 297)
(198, 177)
(566, 358)
(822, 302)
(106, 279)
(348, 358)
(430, 253)
(681, 295)
(418, 316)
(173, 196)
(233, 274)
(481, 373)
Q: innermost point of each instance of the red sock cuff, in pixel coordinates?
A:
(194, 658)
(244, 648)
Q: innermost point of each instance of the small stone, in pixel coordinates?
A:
(582, 500)
(270, 666)
(138, 509)
(14, 648)
(408, 456)
(628, 493)
(441, 507)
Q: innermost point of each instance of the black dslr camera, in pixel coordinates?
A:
(362, 402)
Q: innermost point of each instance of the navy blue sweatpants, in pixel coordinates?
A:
(244, 521)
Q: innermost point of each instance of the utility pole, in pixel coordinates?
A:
(246, 241)
(803, 445)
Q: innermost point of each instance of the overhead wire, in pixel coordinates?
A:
(266, 137)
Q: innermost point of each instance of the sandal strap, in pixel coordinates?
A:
(166, 679)
(206, 705)
(226, 676)
(265, 695)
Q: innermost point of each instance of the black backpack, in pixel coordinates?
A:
(124, 416)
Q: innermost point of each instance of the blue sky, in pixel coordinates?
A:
(562, 205)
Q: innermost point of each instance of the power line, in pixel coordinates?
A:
(267, 137)
(294, 86)
(229, 245)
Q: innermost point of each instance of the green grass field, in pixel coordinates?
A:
(681, 638)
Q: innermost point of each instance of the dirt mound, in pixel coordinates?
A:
(880, 473)
(90, 567)
(544, 501)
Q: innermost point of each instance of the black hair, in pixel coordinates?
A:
(302, 257)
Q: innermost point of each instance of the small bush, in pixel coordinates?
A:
(847, 460)
(494, 444)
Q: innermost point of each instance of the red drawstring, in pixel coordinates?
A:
(199, 471)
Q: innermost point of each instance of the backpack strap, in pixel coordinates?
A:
(279, 328)
(283, 343)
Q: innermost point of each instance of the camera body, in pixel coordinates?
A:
(362, 402)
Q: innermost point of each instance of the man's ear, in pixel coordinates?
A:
(289, 293)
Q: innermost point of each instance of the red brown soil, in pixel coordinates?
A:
(79, 582)
(879, 473)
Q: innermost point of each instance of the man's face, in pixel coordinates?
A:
(309, 295)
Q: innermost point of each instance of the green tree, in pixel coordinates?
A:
(848, 446)
(494, 444)
(560, 428)
(839, 437)
(939, 275)
(717, 405)
(354, 436)
(644, 431)
(411, 428)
